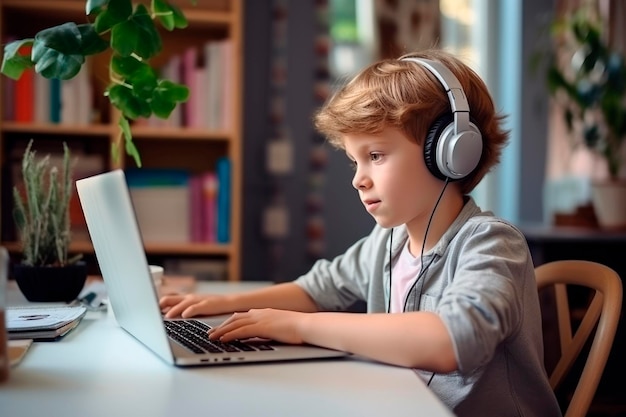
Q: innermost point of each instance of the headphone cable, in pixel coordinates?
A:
(422, 268)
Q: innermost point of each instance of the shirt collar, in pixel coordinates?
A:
(469, 210)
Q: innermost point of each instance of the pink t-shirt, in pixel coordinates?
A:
(403, 275)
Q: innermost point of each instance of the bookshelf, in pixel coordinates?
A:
(194, 148)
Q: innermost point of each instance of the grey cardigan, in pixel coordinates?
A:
(480, 280)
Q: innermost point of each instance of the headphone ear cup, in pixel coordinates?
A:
(431, 141)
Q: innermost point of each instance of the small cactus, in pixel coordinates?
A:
(41, 210)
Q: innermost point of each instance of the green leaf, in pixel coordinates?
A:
(149, 38)
(173, 91)
(55, 65)
(126, 66)
(15, 63)
(125, 38)
(120, 9)
(131, 107)
(59, 52)
(164, 14)
(180, 21)
(65, 38)
(117, 11)
(90, 42)
(170, 15)
(115, 152)
(141, 77)
(129, 145)
(56, 52)
(94, 6)
(166, 96)
(104, 22)
(137, 36)
(144, 83)
(160, 107)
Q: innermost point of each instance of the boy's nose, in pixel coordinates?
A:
(360, 182)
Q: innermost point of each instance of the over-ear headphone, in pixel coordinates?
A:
(454, 144)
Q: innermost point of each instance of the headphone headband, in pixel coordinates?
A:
(454, 90)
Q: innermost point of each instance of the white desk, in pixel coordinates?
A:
(100, 370)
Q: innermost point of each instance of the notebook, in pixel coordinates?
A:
(118, 245)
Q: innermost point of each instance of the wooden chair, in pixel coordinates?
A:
(604, 311)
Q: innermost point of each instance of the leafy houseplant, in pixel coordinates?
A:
(41, 214)
(589, 79)
(127, 30)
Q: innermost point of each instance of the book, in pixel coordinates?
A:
(227, 109)
(223, 173)
(213, 52)
(161, 198)
(42, 322)
(208, 204)
(41, 99)
(24, 97)
(55, 100)
(195, 209)
(189, 78)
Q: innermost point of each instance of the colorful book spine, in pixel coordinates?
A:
(223, 172)
(41, 99)
(24, 97)
(55, 100)
(195, 209)
(226, 121)
(189, 59)
(210, 188)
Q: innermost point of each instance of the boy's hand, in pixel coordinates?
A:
(192, 305)
(280, 325)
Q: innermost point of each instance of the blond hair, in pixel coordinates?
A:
(406, 96)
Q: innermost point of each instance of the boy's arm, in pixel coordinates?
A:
(285, 296)
(415, 340)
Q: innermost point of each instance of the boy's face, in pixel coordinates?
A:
(391, 177)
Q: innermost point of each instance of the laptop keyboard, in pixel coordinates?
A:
(192, 334)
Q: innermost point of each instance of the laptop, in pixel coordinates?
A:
(118, 245)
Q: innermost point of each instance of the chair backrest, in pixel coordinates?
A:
(603, 310)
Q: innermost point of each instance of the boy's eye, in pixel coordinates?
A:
(375, 157)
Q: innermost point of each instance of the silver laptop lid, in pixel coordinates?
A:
(120, 253)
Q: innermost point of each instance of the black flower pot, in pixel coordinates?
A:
(50, 283)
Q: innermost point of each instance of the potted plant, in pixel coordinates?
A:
(588, 79)
(124, 28)
(41, 214)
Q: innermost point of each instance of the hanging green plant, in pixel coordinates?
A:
(131, 35)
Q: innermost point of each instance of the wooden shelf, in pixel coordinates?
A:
(144, 132)
(210, 249)
(57, 129)
(193, 149)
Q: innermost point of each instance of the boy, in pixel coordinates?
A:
(450, 290)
